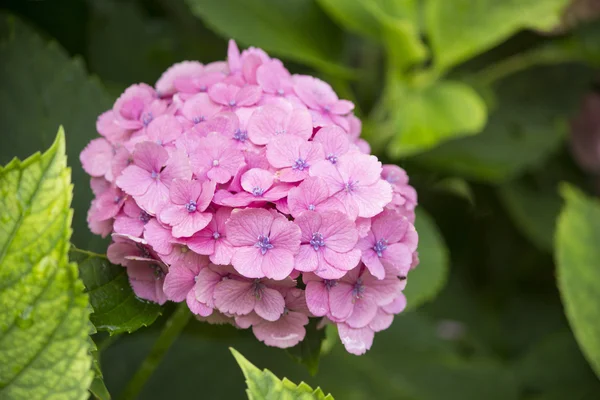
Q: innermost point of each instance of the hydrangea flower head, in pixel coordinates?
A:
(246, 192)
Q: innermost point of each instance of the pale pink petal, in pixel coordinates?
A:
(245, 226)
(341, 302)
(284, 151)
(257, 178)
(398, 256)
(356, 341)
(134, 180)
(342, 107)
(179, 282)
(300, 124)
(317, 298)
(286, 332)
(270, 305)
(306, 260)
(342, 261)
(285, 234)
(371, 199)
(192, 223)
(158, 237)
(248, 261)
(96, 157)
(234, 297)
(247, 96)
(277, 263)
(363, 312)
(266, 123)
(339, 231)
(197, 307)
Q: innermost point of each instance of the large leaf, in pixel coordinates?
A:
(422, 118)
(295, 29)
(393, 22)
(529, 123)
(428, 279)
(461, 29)
(116, 308)
(265, 385)
(578, 275)
(40, 89)
(533, 211)
(44, 325)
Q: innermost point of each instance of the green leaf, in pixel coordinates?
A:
(393, 22)
(116, 307)
(423, 118)
(429, 277)
(533, 211)
(577, 254)
(529, 123)
(295, 29)
(97, 387)
(461, 29)
(40, 89)
(308, 351)
(265, 385)
(44, 325)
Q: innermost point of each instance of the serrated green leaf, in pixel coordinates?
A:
(264, 385)
(295, 29)
(530, 122)
(577, 254)
(40, 89)
(461, 29)
(308, 351)
(44, 325)
(423, 118)
(428, 279)
(116, 307)
(97, 388)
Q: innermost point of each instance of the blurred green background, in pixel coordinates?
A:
(472, 97)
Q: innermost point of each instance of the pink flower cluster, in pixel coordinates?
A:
(246, 192)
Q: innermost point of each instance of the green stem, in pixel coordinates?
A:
(167, 337)
(105, 344)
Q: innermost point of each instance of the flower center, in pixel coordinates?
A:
(317, 241)
(257, 288)
(257, 192)
(232, 103)
(263, 244)
(379, 247)
(332, 158)
(358, 290)
(215, 163)
(191, 206)
(279, 131)
(311, 207)
(147, 118)
(155, 175)
(117, 199)
(197, 120)
(280, 92)
(144, 217)
(300, 164)
(329, 283)
(240, 135)
(144, 252)
(216, 235)
(158, 272)
(351, 186)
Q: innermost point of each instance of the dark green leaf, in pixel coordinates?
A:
(461, 29)
(44, 325)
(428, 279)
(529, 123)
(308, 351)
(295, 29)
(577, 254)
(98, 388)
(264, 385)
(41, 88)
(116, 307)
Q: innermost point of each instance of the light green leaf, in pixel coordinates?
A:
(308, 351)
(265, 385)
(44, 325)
(392, 22)
(530, 122)
(423, 118)
(40, 89)
(295, 29)
(461, 29)
(429, 277)
(578, 275)
(116, 307)
(533, 211)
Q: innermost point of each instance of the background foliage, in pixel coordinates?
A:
(472, 98)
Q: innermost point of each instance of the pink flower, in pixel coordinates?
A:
(241, 296)
(185, 212)
(96, 158)
(391, 242)
(233, 96)
(328, 242)
(271, 121)
(334, 142)
(199, 109)
(108, 126)
(288, 330)
(132, 220)
(354, 299)
(293, 156)
(212, 240)
(355, 181)
(264, 242)
(312, 194)
(163, 130)
(207, 281)
(108, 204)
(319, 97)
(165, 86)
(274, 79)
(149, 178)
(137, 107)
(258, 186)
(404, 199)
(180, 283)
(216, 158)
